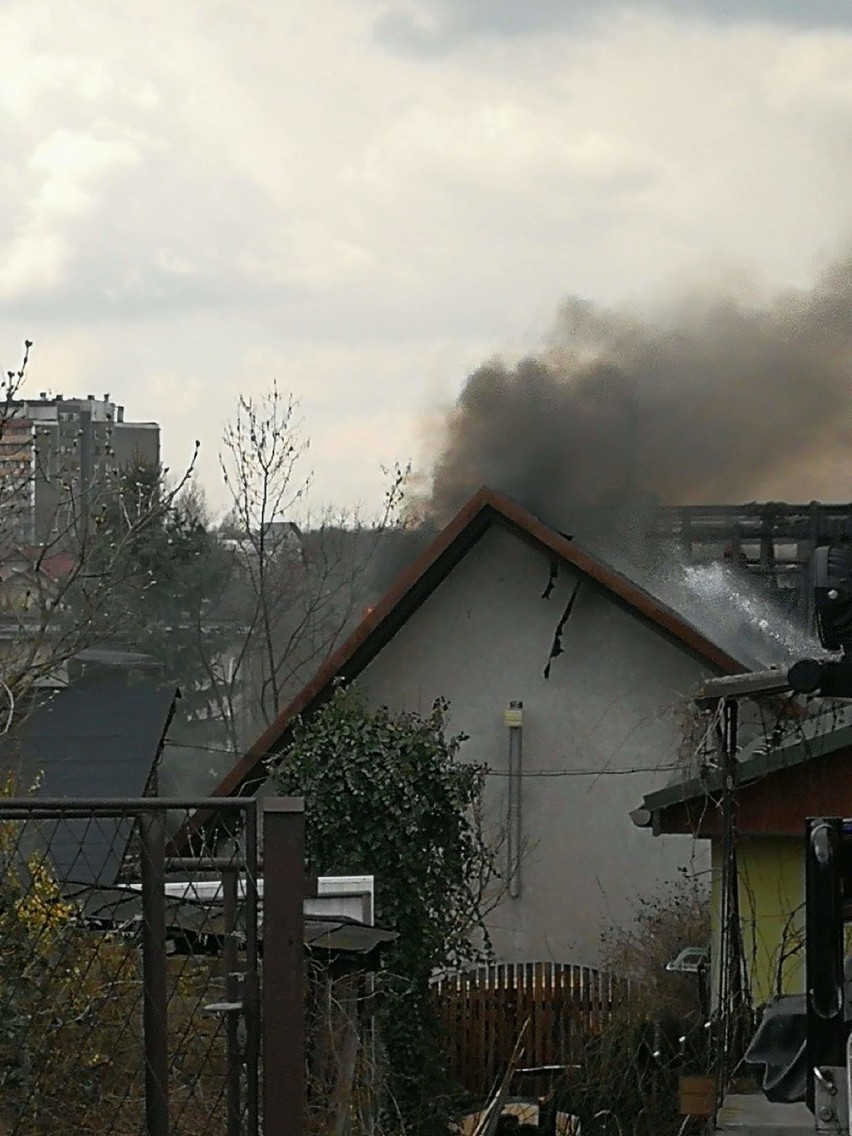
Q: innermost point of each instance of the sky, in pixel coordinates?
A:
(365, 199)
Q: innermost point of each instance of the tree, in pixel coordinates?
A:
(387, 796)
(657, 1026)
(294, 591)
(71, 984)
(166, 583)
(237, 618)
(59, 585)
(664, 921)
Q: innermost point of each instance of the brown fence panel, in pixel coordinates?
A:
(484, 1010)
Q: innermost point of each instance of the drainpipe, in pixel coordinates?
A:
(514, 719)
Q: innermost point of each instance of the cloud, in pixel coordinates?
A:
(65, 170)
(271, 193)
(293, 170)
(433, 27)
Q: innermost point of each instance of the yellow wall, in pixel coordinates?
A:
(771, 894)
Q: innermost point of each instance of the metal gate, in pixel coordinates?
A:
(130, 982)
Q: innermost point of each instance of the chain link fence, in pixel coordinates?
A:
(128, 979)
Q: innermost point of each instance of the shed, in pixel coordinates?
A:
(777, 788)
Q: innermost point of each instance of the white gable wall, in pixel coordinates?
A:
(481, 640)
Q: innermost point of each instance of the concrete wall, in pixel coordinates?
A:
(111, 446)
(610, 705)
(134, 440)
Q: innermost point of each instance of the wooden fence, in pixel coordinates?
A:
(483, 1011)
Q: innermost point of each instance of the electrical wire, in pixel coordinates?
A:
(488, 772)
(583, 772)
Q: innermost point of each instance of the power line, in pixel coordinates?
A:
(488, 772)
(583, 772)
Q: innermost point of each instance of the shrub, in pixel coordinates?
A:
(387, 796)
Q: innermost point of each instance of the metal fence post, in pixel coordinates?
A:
(251, 988)
(233, 1073)
(152, 829)
(284, 1083)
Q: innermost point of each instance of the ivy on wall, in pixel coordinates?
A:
(387, 796)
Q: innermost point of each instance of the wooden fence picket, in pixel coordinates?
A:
(484, 1009)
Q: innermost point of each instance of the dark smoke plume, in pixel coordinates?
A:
(722, 402)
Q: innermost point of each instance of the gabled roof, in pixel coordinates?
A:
(485, 509)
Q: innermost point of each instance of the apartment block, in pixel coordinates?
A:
(55, 453)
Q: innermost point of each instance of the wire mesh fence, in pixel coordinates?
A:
(128, 980)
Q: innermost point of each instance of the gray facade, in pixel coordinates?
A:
(481, 640)
(55, 450)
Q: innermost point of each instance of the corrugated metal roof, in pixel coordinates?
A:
(117, 906)
(812, 741)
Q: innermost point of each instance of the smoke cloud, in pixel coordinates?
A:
(710, 403)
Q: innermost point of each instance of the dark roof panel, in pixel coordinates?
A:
(115, 906)
(99, 737)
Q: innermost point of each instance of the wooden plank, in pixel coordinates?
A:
(525, 1007)
(483, 1011)
(745, 1115)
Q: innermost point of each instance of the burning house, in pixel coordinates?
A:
(568, 678)
(568, 616)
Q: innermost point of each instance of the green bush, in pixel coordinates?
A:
(386, 795)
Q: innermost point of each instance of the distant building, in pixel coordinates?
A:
(54, 452)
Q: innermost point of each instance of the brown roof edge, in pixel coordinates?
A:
(339, 664)
(635, 596)
(353, 655)
(412, 587)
